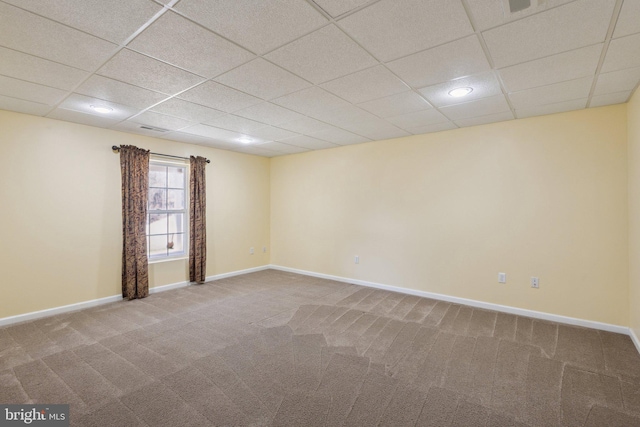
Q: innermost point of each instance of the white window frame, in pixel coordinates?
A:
(185, 253)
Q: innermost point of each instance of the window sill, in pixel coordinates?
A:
(161, 260)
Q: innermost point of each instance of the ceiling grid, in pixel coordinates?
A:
(288, 76)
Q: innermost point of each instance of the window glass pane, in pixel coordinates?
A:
(176, 223)
(158, 245)
(158, 224)
(157, 176)
(157, 199)
(176, 244)
(176, 177)
(167, 192)
(176, 199)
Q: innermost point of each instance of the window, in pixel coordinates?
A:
(167, 221)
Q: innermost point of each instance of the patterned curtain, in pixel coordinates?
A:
(134, 164)
(198, 221)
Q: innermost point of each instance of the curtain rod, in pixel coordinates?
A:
(116, 148)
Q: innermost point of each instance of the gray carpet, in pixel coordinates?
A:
(275, 348)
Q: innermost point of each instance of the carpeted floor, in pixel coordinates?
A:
(275, 348)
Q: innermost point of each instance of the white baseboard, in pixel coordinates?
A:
(58, 310)
(99, 301)
(236, 273)
(635, 339)
(168, 287)
(473, 303)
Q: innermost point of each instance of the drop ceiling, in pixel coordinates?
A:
(276, 77)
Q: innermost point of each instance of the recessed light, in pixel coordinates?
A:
(245, 140)
(101, 109)
(461, 91)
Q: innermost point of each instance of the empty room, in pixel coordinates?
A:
(320, 213)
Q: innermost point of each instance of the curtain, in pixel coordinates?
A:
(134, 165)
(198, 220)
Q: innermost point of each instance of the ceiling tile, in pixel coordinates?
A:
(390, 29)
(111, 20)
(199, 140)
(437, 127)
(394, 105)
(483, 85)
(610, 99)
(366, 85)
(308, 142)
(577, 24)
(187, 110)
(182, 43)
(163, 121)
(83, 104)
(186, 137)
(551, 94)
(37, 70)
(617, 81)
(629, 19)
(338, 136)
(313, 102)
(257, 151)
(219, 144)
(131, 127)
(218, 134)
(343, 116)
(305, 125)
(235, 123)
(552, 69)
(122, 93)
(491, 13)
(483, 120)
(270, 133)
(131, 67)
(82, 118)
(282, 148)
(215, 95)
(418, 119)
(349, 117)
(322, 55)
(481, 107)
(30, 91)
(263, 79)
(22, 106)
(336, 8)
(622, 53)
(271, 114)
(456, 59)
(259, 26)
(560, 107)
(380, 131)
(51, 40)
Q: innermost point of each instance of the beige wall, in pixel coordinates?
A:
(633, 120)
(441, 213)
(446, 212)
(60, 233)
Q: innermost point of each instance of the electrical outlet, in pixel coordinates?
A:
(357, 259)
(251, 251)
(502, 277)
(535, 282)
(264, 249)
